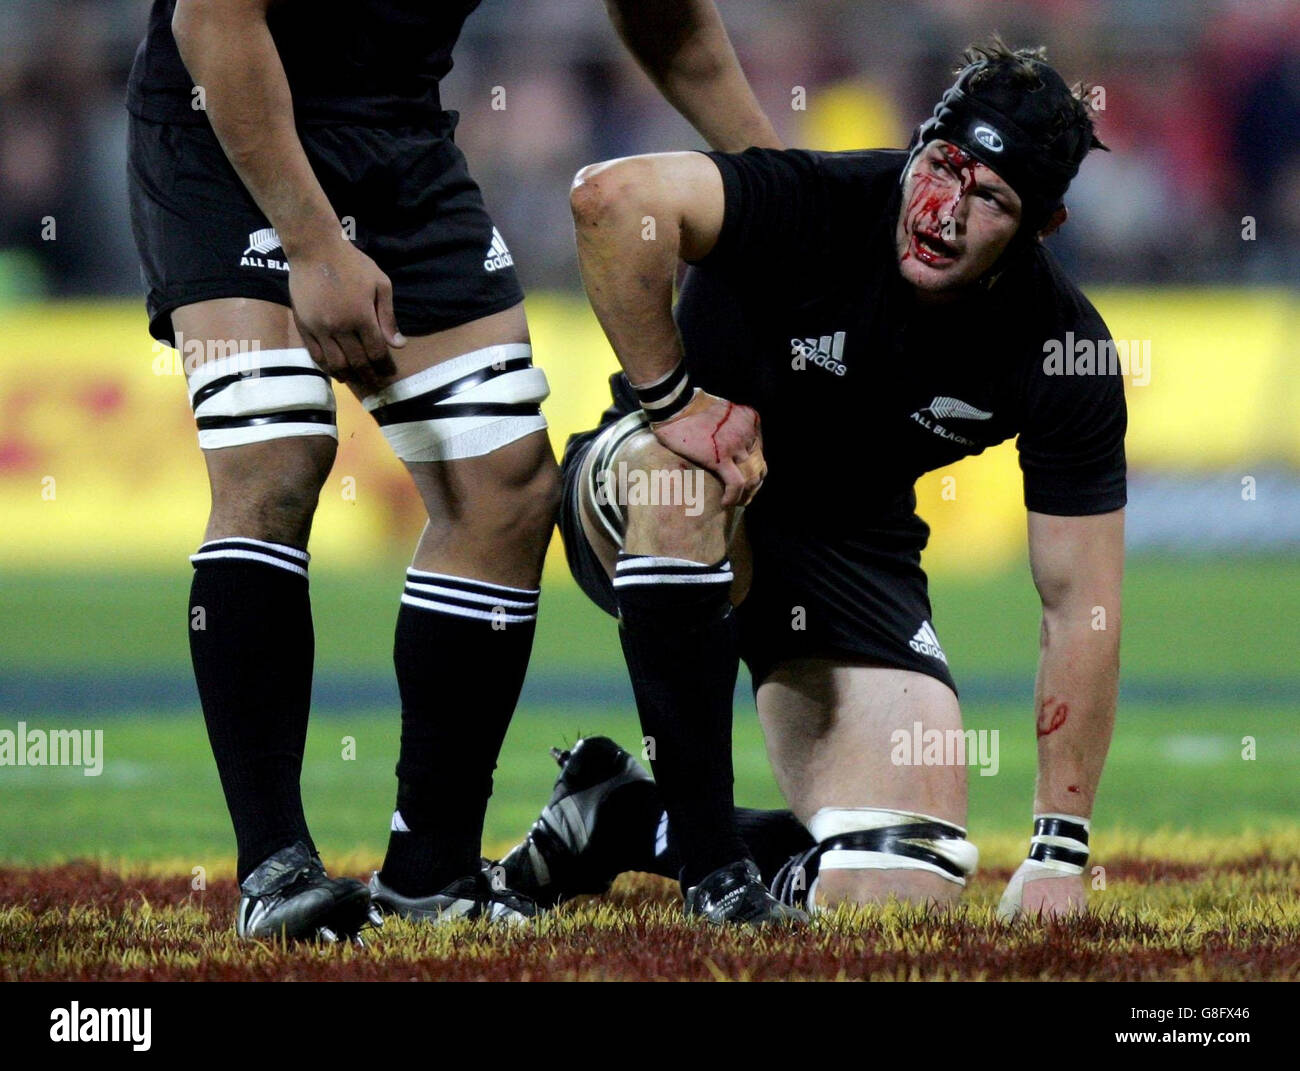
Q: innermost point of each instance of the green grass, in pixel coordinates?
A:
(158, 796)
(1173, 765)
(1230, 923)
(1203, 616)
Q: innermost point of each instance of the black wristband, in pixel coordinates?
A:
(666, 396)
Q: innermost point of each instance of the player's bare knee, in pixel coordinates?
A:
(269, 490)
(522, 513)
(673, 508)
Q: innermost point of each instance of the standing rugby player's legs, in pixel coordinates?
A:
(462, 412)
(490, 517)
(251, 636)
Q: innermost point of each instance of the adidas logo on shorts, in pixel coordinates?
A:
(498, 256)
(927, 643)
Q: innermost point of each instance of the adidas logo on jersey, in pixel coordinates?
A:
(927, 643)
(825, 352)
(498, 256)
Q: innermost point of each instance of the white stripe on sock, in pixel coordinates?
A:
(645, 562)
(463, 611)
(635, 580)
(249, 555)
(471, 596)
(293, 552)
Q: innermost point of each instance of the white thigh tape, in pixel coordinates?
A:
(259, 395)
(939, 847)
(601, 482)
(466, 407)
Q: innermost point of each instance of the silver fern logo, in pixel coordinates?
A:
(943, 408)
(262, 241)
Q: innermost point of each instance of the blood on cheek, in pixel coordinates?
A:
(933, 200)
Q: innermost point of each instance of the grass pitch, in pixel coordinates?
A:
(1173, 908)
(1200, 844)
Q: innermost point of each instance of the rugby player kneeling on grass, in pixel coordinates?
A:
(887, 313)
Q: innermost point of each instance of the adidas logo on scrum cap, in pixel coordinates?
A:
(498, 256)
(927, 643)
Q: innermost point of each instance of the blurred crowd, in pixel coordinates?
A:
(1199, 101)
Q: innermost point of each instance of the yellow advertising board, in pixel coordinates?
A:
(99, 463)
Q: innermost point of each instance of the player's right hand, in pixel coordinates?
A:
(343, 306)
(724, 438)
(1042, 897)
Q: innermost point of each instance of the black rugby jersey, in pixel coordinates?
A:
(365, 62)
(800, 311)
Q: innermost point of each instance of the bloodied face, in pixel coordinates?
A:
(957, 217)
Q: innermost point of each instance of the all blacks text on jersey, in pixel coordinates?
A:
(261, 243)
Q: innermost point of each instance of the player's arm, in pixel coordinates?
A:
(1077, 565)
(683, 46)
(633, 218)
(342, 301)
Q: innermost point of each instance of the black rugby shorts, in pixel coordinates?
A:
(406, 194)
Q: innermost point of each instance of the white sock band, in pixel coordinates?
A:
(240, 548)
(474, 599)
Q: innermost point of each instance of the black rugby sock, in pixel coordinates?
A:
(252, 644)
(461, 651)
(679, 638)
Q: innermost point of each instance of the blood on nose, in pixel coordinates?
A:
(962, 163)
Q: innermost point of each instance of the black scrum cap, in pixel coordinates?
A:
(1016, 116)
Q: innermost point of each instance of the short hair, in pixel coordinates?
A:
(1019, 68)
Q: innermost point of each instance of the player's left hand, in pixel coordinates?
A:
(1043, 897)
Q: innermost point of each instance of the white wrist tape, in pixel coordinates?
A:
(1058, 849)
(666, 396)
